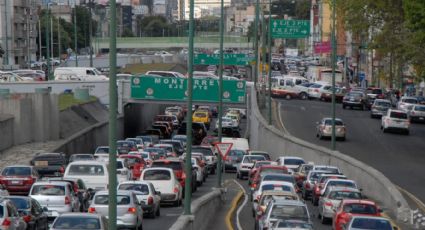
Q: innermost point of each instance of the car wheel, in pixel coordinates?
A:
(320, 136)
(323, 219)
(342, 138)
(343, 106)
(288, 97)
(406, 132)
(384, 130)
(303, 96)
(237, 175)
(140, 227)
(152, 215)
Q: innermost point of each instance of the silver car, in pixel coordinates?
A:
(369, 223)
(324, 128)
(129, 211)
(80, 220)
(417, 113)
(379, 107)
(57, 196)
(9, 217)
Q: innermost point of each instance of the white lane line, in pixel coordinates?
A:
(303, 108)
(280, 119)
(240, 207)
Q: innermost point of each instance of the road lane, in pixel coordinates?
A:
(399, 157)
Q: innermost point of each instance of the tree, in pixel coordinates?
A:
(154, 26)
(127, 33)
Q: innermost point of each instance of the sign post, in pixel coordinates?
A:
(282, 28)
(223, 149)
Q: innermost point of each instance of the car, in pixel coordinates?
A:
(81, 157)
(158, 153)
(280, 177)
(315, 91)
(292, 224)
(102, 150)
(123, 171)
(380, 107)
(267, 196)
(327, 94)
(176, 165)
(210, 156)
(10, 218)
(262, 170)
(181, 138)
(136, 164)
(282, 209)
(200, 177)
(226, 122)
(320, 183)
(406, 103)
(262, 153)
(246, 164)
(233, 159)
(417, 113)
(30, 210)
(324, 129)
(369, 223)
(281, 92)
(397, 120)
(80, 221)
(199, 131)
(123, 147)
(335, 182)
(49, 164)
(177, 145)
(94, 174)
(290, 162)
(145, 192)
(202, 162)
(203, 117)
(169, 149)
(301, 172)
(355, 99)
(164, 181)
(57, 196)
(310, 181)
(349, 208)
(255, 167)
(78, 187)
(331, 199)
(148, 141)
(169, 118)
(18, 179)
(272, 185)
(139, 142)
(129, 210)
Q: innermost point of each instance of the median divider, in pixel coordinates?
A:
(374, 184)
(203, 210)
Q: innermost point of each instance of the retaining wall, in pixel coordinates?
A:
(6, 131)
(374, 184)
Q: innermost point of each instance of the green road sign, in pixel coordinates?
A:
(282, 28)
(228, 59)
(175, 89)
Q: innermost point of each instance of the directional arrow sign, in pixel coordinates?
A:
(223, 149)
(282, 28)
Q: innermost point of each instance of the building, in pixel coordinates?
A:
(18, 32)
(201, 8)
(238, 18)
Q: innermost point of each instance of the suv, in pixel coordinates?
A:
(50, 164)
(395, 120)
(10, 217)
(355, 99)
(177, 166)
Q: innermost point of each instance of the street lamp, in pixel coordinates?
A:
(48, 77)
(75, 35)
(333, 39)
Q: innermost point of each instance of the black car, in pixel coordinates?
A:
(356, 99)
(199, 131)
(31, 211)
(178, 146)
(49, 164)
(124, 147)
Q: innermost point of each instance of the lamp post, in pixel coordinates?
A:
(270, 61)
(75, 36)
(90, 33)
(257, 12)
(48, 77)
(333, 39)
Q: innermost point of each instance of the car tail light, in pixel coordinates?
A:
(29, 180)
(183, 176)
(67, 200)
(307, 185)
(412, 112)
(6, 222)
(27, 218)
(328, 204)
(61, 170)
(317, 190)
(132, 210)
(176, 189)
(150, 200)
(92, 210)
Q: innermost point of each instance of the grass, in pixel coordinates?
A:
(68, 100)
(143, 68)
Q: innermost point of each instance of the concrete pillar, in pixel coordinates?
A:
(41, 116)
(54, 117)
(21, 110)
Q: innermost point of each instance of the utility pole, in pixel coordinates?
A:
(257, 12)
(6, 56)
(47, 43)
(39, 40)
(90, 33)
(75, 35)
(112, 190)
(220, 93)
(188, 165)
(269, 32)
(333, 38)
(59, 40)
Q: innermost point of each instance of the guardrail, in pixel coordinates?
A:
(374, 184)
(203, 210)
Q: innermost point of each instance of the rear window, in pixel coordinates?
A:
(337, 122)
(383, 103)
(289, 211)
(315, 86)
(342, 184)
(102, 150)
(16, 171)
(366, 223)
(143, 188)
(20, 203)
(360, 209)
(200, 115)
(339, 195)
(168, 164)
(293, 162)
(48, 190)
(278, 187)
(398, 115)
(276, 170)
(157, 175)
(125, 144)
(410, 100)
(87, 170)
(419, 108)
(252, 159)
(104, 199)
(204, 151)
(51, 159)
(279, 178)
(77, 222)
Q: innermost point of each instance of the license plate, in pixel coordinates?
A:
(351, 99)
(41, 163)
(15, 182)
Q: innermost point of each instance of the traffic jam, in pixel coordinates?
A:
(57, 191)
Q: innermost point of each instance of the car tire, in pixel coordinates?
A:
(152, 215)
(342, 138)
(288, 96)
(323, 219)
(384, 130)
(140, 227)
(343, 106)
(406, 132)
(303, 96)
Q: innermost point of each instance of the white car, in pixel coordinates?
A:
(198, 170)
(226, 122)
(123, 172)
(315, 91)
(395, 120)
(417, 113)
(273, 185)
(10, 217)
(406, 103)
(146, 194)
(332, 198)
(164, 180)
(290, 162)
(369, 223)
(246, 165)
(93, 173)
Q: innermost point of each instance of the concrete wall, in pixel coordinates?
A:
(139, 117)
(203, 210)
(374, 184)
(6, 131)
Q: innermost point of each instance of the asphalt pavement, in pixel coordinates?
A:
(399, 157)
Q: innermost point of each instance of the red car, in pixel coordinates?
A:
(254, 169)
(266, 168)
(136, 164)
(18, 179)
(287, 94)
(175, 164)
(349, 208)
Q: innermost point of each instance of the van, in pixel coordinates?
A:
(292, 83)
(94, 173)
(238, 143)
(79, 73)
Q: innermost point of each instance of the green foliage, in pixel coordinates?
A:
(153, 26)
(298, 9)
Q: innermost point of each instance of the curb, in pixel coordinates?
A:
(231, 212)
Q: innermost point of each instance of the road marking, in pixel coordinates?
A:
(418, 202)
(303, 108)
(280, 119)
(173, 214)
(231, 211)
(241, 207)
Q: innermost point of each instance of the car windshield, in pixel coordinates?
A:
(337, 122)
(157, 175)
(293, 162)
(278, 187)
(143, 188)
(120, 165)
(252, 159)
(398, 115)
(410, 100)
(104, 199)
(383, 103)
(342, 183)
(289, 211)
(102, 150)
(286, 178)
(76, 222)
(48, 190)
(175, 165)
(124, 144)
(87, 170)
(20, 203)
(419, 108)
(16, 171)
(354, 94)
(360, 209)
(339, 195)
(366, 223)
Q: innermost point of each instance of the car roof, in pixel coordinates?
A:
(277, 182)
(357, 201)
(80, 214)
(119, 192)
(158, 168)
(369, 217)
(289, 202)
(135, 182)
(397, 110)
(54, 182)
(87, 163)
(338, 188)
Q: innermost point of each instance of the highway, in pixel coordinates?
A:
(399, 157)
